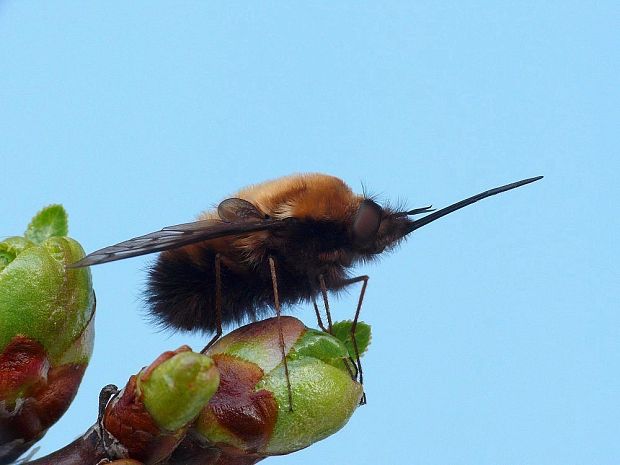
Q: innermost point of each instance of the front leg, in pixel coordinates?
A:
(364, 279)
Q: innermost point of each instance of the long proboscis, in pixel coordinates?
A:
(417, 224)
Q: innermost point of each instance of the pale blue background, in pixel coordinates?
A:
(496, 330)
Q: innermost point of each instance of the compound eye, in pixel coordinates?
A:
(366, 223)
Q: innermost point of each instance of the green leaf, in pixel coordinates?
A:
(342, 331)
(5, 259)
(10, 248)
(320, 345)
(49, 222)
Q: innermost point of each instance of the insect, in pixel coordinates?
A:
(312, 228)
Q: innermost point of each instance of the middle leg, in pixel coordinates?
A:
(274, 282)
(218, 303)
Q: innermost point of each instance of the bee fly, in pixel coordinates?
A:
(312, 228)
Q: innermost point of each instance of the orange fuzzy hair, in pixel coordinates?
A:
(305, 196)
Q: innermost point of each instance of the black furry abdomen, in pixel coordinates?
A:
(181, 290)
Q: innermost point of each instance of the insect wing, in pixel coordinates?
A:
(173, 237)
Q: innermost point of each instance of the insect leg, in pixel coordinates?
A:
(358, 279)
(274, 282)
(218, 303)
(326, 302)
(318, 316)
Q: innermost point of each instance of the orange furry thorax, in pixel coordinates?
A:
(311, 196)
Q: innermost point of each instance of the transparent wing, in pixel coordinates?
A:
(173, 237)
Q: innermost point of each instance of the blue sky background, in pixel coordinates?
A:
(496, 330)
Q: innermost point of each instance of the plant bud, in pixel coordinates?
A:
(46, 329)
(250, 413)
(151, 415)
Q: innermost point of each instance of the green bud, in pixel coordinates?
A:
(46, 329)
(175, 391)
(324, 398)
(324, 394)
(250, 412)
(39, 297)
